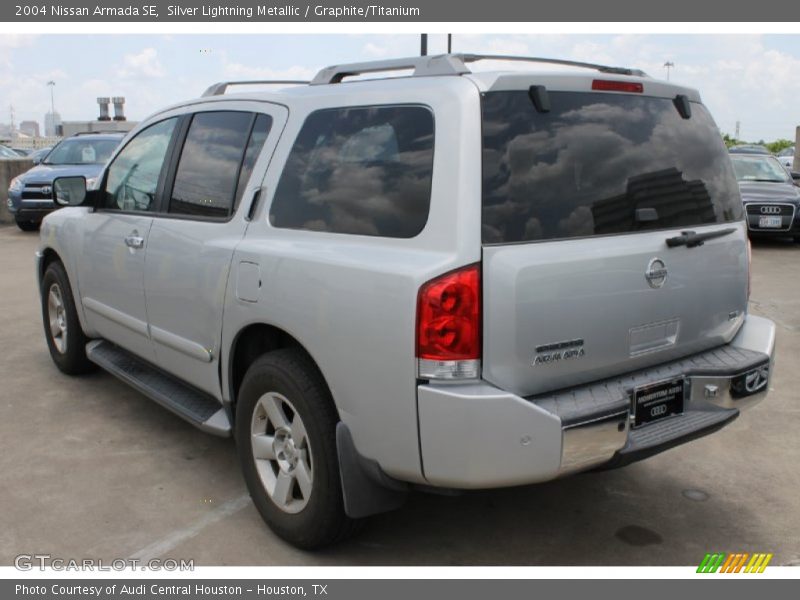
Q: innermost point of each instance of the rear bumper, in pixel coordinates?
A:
(478, 436)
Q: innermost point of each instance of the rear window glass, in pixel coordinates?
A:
(363, 171)
(589, 165)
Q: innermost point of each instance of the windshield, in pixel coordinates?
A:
(82, 150)
(7, 153)
(759, 168)
(599, 164)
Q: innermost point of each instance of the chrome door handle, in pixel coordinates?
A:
(134, 241)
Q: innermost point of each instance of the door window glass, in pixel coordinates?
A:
(208, 170)
(133, 176)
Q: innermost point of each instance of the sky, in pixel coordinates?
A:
(752, 79)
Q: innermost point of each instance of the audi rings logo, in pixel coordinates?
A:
(659, 410)
(770, 210)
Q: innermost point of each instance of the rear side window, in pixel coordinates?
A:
(208, 170)
(363, 171)
(593, 161)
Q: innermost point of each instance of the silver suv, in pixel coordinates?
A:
(443, 280)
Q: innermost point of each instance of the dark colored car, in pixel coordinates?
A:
(30, 195)
(749, 149)
(786, 157)
(770, 195)
(37, 156)
(6, 152)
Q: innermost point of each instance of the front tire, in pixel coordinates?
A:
(286, 440)
(62, 329)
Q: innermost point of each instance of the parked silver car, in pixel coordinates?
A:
(786, 158)
(448, 280)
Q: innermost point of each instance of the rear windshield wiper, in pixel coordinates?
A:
(690, 239)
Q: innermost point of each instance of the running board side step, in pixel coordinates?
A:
(196, 407)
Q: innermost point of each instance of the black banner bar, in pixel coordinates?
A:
(315, 11)
(716, 586)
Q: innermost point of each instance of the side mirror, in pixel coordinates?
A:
(36, 161)
(795, 177)
(69, 191)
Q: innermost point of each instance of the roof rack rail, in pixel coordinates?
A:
(448, 64)
(218, 89)
(467, 58)
(442, 64)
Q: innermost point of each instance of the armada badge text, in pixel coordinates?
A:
(567, 350)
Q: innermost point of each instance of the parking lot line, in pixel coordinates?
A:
(161, 547)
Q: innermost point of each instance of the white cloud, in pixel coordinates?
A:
(234, 70)
(8, 44)
(144, 64)
(375, 51)
(752, 79)
(16, 40)
(740, 78)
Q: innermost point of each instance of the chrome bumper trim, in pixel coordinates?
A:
(595, 441)
(592, 443)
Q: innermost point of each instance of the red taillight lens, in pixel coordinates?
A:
(449, 316)
(604, 85)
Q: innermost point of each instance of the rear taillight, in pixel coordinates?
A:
(449, 326)
(606, 85)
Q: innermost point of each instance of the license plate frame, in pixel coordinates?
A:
(770, 222)
(659, 400)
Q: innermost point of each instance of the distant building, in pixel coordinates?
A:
(52, 124)
(104, 121)
(29, 128)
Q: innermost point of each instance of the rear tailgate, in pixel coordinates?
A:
(578, 203)
(562, 313)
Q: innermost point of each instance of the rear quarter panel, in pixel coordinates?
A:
(351, 300)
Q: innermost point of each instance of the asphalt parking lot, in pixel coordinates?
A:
(92, 469)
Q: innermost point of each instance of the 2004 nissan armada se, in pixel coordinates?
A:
(444, 280)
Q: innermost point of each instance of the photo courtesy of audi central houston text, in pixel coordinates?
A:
(529, 298)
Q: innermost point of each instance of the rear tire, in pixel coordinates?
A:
(29, 225)
(62, 329)
(286, 440)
